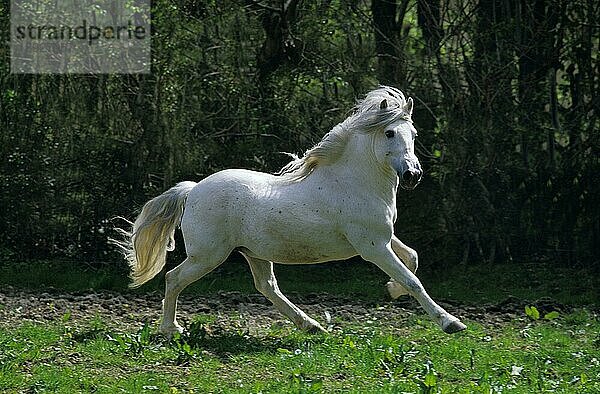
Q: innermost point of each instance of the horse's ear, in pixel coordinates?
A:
(408, 107)
(383, 104)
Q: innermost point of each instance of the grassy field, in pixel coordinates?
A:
(522, 354)
(521, 357)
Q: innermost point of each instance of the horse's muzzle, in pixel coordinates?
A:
(410, 179)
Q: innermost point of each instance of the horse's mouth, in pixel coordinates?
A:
(407, 187)
(410, 184)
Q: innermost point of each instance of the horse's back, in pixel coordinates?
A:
(229, 183)
(218, 200)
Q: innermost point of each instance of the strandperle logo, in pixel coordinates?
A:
(84, 31)
(86, 36)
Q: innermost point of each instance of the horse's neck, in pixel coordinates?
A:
(361, 173)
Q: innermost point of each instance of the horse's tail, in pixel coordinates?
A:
(152, 235)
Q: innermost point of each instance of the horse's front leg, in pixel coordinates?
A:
(384, 257)
(266, 283)
(410, 258)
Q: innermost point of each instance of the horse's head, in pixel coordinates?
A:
(394, 146)
(382, 122)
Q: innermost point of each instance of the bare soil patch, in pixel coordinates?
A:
(250, 312)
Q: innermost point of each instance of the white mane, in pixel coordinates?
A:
(366, 117)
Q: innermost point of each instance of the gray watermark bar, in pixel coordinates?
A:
(80, 36)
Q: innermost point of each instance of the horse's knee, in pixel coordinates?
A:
(170, 279)
(413, 260)
(409, 256)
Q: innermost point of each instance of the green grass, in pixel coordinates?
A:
(521, 357)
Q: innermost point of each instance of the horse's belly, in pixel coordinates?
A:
(296, 253)
(300, 247)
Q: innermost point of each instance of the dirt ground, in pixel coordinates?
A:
(250, 312)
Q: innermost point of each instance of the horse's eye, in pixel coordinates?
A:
(389, 133)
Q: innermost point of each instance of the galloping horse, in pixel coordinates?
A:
(335, 202)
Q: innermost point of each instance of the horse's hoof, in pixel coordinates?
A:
(395, 289)
(312, 327)
(454, 326)
(315, 329)
(170, 330)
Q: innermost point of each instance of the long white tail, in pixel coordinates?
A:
(152, 235)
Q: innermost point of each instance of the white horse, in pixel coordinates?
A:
(337, 201)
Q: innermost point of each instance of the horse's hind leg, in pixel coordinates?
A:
(192, 269)
(266, 283)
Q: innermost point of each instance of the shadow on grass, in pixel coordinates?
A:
(223, 342)
(89, 334)
(201, 336)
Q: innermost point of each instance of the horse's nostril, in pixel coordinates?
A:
(407, 176)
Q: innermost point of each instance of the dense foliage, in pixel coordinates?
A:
(507, 106)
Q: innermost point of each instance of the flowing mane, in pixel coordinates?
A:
(367, 117)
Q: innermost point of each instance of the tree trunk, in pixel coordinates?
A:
(388, 16)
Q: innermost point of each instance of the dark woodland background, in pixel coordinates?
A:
(507, 98)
